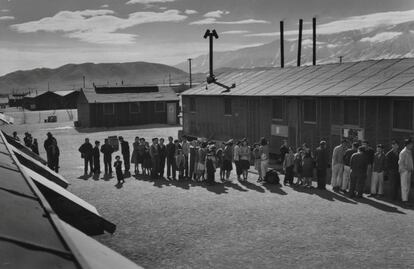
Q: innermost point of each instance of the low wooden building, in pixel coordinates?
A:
(368, 100)
(50, 100)
(68, 99)
(107, 106)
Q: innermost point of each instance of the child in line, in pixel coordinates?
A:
(118, 170)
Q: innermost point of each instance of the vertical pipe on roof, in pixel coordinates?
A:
(282, 48)
(314, 40)
(300, 41)
(189, 71)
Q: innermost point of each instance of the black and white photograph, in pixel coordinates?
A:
(204, 134)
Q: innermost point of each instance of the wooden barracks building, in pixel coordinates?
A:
(370, 100)
(108, 106)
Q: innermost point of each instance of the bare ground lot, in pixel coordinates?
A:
(165, 224)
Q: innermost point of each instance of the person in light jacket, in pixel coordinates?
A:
(378, 169)
(405, 167)
(338, 165)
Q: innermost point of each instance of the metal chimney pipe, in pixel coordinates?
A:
(300, 41)
(189, 71)
(314, 40)
(282, 46)
(83, 82)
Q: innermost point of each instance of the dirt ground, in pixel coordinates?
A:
(165, 224)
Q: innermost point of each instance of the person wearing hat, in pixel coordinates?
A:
(86, 150)
(406, 167)
(228, 158)
(48, 142)
(322, 163)
(378, 168)
(107, 151)
(96, 159)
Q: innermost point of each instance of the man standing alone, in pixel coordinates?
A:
(125, 153)
(405, 167)
(338, 165)
(86, 151)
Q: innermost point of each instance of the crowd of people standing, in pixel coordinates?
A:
(178, 159)
(352, 166)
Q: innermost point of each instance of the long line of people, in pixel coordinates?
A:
(352, 164)
(352, 167)
(196, 160)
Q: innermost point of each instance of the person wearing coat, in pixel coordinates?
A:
(96, 159)
(125, 153)
(107, 151)
(86, 151)
(322, 163)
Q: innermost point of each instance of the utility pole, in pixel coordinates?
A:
(169, 79)
(189, 71)
(83, 81)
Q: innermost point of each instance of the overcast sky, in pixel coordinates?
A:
(50, 33)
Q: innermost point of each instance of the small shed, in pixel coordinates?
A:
(108, 106)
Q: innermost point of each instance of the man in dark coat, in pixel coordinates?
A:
(391, 164)
(359, 165)
(284, 149)
(96, 159)
(171, 151)
(125, 153)
(107, 151)
(162, 149)
(155, 158)
(86, 151)
(48, 148)
(322, 163)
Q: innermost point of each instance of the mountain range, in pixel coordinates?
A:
(382, 42)
(70, 76)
